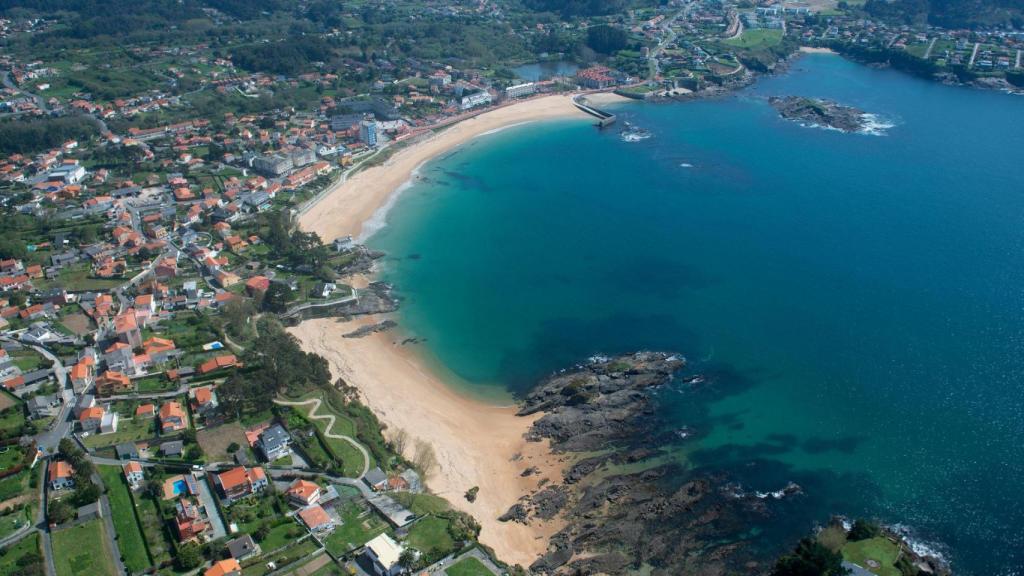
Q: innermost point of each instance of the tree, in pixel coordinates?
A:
(471, 493)
(233, 447)
(863, 530)
(276, 297)
(606, 39)
(190, 556)
(408, 558)
(810, 558)
(425, 458)
(60, 512)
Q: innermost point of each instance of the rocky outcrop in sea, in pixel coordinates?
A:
(820, 113)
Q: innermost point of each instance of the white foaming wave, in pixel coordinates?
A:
(379, 219)
(503, 128)
(875, 125)
(686, 165)
(919, 547)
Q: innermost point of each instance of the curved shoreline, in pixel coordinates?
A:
(475, 442)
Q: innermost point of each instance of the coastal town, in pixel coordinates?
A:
(174, 209)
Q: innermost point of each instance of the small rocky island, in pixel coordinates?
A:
(819, 113)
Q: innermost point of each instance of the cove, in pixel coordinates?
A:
(855, 300)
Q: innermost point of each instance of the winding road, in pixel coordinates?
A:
(316, 402)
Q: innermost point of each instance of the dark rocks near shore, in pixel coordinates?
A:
(820, 113)
(623, 507)
(364, 331)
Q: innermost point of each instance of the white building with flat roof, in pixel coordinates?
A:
(520, 90)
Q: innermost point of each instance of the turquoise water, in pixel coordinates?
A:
(856, 299)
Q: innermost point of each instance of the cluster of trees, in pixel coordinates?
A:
(29, 136)
(569, 8)
(810, 558)
(29, 564)
(290, 57)
(607, 39)
(274, 364)
(86, 492)
(300, 249)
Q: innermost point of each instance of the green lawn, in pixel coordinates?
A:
(281, 559)
(351, 458)
(24, 547)
(281, 536)
(468, 567)
(358, 528)
(11, 420)
(421, 504)
(80, 278)
(129, 535)
(10, 456)
(878, 549)
(152, 528)
(13, 485)
(82, 550)
(29, 360)
(758, 38)
(430, 536)
(128, 429)
(10, 523)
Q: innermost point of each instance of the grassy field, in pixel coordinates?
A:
(152, 528)
(128, 429)
(7, 400)
(129, 535)
(430, 536)
(358, 528)
(296, 553)
(81, 550)
(280, 536)
(10, 523)
(468, 567)
(24, 547)
(879, 550)
(351, 458)
(421, 504)
(13, 485)
(11, 420)
(759, 38)
(215, 441)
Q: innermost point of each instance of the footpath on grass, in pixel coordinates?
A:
(329, 418)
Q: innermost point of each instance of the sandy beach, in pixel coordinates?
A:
(348, 206)
(817, 50)
(475, 443)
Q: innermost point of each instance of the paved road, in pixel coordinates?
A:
(1017, 65)
(974, 54)
(315, 403)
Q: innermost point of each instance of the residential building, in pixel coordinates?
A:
(243, 548)
(108, 423)
(274, 443)
(317, 520)
(126, 326)
(111, 383)
(303, 493)
(91, 418)
(383, 554)
(228, 567)
(273, 165)
(189, 522)
(204, 400)
(133, 474)
(376, 479)
(61, 475)
(240, 482)
(474, 98)
(43, 406)
(368, 132)
(520, 90)
(172, 417)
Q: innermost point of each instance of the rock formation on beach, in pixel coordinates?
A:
(820, 113)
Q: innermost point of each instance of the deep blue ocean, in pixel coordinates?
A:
(856, 300)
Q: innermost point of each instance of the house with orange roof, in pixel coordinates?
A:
(111, 383)
(204, 400)
(14, 382)
(159, 349)
(61, 475)
(240, 482)
(133, 474)
(172, 417)
(228, 567)
(303, 493)
(91, 418)
(257, 285)
(218, 363)
(189, 522)
(226, 279)
(126, 327)
(145, 411)
(317, 520)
